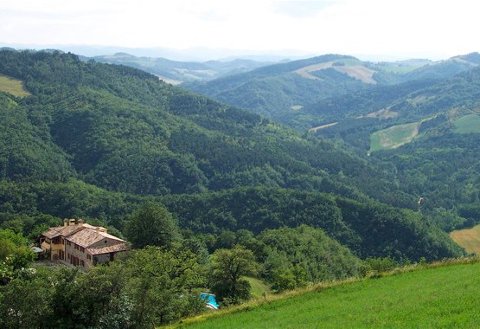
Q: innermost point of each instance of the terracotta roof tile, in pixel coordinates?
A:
(88, 236)
(64, 231)
(82, 234)
(105, 250)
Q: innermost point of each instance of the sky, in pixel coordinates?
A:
(370, 29)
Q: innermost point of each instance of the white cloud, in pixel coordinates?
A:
(388, 27)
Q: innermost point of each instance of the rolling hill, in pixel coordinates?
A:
(176, 72)
(279, 88)
(427, 132)
(283, 91)
(96, 140)
(407, 300)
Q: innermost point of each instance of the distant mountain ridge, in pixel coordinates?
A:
(176, 72)
(278, 90)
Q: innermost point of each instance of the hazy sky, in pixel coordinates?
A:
(397, 28)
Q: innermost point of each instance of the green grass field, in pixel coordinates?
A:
(468, 239)
(467, 124)
(393, 137)
(440, 297)
(12, 86)
(259, 288)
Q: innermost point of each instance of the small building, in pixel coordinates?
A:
(80, 244)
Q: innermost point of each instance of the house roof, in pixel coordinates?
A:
(122, 246)
(88, 236)
(64, 231)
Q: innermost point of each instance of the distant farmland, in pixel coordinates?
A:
(12, 86)
(393, 137)
(468, 239)
(468, 124)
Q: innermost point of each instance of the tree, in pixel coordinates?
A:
(152, 225)
(14, 254)
(160, 285)
(228, 267)
(26, 302)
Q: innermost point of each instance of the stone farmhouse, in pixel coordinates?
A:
(80, 244)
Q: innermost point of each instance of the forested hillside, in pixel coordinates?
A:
(439, 160)
(123, 130)
(97, 140)
(196, 186)
(286, 92)
(277, 89)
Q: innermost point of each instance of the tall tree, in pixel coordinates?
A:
(228, 267)
(152, 225)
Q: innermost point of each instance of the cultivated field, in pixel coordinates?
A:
(468, 239)
(468, 124)
(383, 114)
(437, 297)
(358, 72)
(393, 137)
(12, 86)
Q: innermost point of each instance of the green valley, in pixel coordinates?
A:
(239, 164)
(196, 185)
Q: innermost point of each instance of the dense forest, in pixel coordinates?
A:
(214, 184)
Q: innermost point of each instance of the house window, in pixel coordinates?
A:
(82, 263)
(89, 257)
(82, 249)
(68, 256)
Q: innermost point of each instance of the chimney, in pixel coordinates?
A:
(65, 222)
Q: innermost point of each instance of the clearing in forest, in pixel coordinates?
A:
(468, 239)
(383, 114)
(12, 86)
(315, 129)
(394, 137)
(358, 72)
(467, 124)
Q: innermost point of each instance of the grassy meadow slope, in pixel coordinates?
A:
(435, 297)
(12, 86)
(468, 238)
